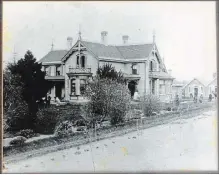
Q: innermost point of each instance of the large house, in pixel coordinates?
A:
(141, 64)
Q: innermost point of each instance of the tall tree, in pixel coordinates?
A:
(33, 82)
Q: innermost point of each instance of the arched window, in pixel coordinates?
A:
(80, 62)
(151, 65)
(83, 61)
(77, 61)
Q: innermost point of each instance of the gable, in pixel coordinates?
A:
(156, 56)
(194, 82)
(214, 82)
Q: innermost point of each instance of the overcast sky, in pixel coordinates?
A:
(185, 31)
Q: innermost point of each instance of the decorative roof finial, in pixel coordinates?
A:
(154, 36)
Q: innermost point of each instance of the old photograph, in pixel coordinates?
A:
(109, 87)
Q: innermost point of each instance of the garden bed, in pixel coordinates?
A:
(54, 143)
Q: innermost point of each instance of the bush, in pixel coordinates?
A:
(108, 99)
(16, 117)
(80, 123)
(64, 128)
(46, 120)
(27, 133)
(81, 128)
(19, 140)
(150, 104)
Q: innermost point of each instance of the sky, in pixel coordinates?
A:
(185, 31)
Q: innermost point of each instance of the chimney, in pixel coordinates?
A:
(125, 39)
(170, 72)
(104, 37)
(69, 42)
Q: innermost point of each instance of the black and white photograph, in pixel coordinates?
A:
(109, 86)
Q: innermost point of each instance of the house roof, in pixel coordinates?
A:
(178, 83)
(109, 51)
(101, 50)
(135, 51)
(161, 75)
(212, 81)
(192, 81)
(123, 52)
(54, 55)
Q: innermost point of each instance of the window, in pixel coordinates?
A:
(162, 89)
(80, 61)
(77, 61)
(73, 87)
(83, 61)
(134, 69)
(58, 70)
(151, 65)
(48, 71)
(82, 86)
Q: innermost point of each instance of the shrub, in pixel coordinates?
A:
(64, 128)
(27, 133)
(108, 99)
(150, 103)
(19, 140)
(80, 123)
(46, 120)
(16, 116)
(81, 128)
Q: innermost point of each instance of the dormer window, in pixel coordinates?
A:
(134, 69)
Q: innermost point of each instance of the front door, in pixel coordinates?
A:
(132, 87)
(196, 92)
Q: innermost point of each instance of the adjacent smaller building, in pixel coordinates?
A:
(194, 88)
(211, 88)
(177, 88)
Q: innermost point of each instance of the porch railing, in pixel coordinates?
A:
(79, 70)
